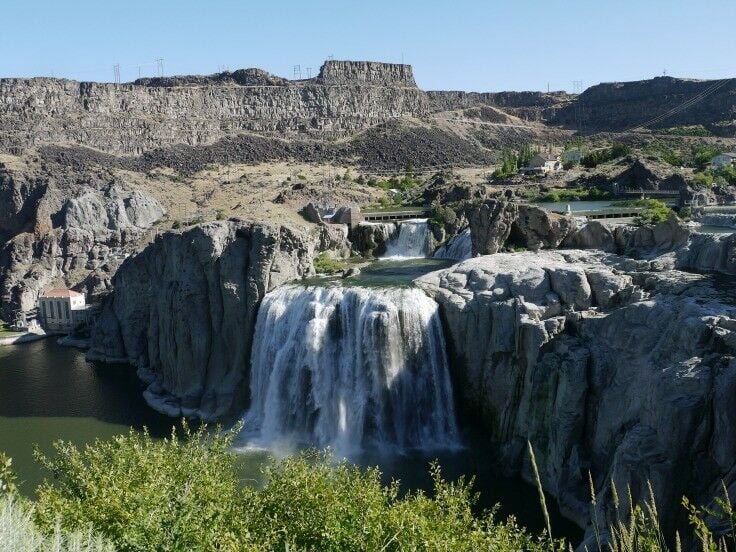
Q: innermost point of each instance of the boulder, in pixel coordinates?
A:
(490, 225)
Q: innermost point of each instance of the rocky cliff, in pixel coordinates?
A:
(150, 113)
(70, 230)
(566, 349)
(668, 101)
(184, 309)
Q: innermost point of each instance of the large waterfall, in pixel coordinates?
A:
(350, 368)
(411, 242)
(458, 248)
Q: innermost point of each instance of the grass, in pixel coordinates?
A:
(7, 332)
(19, 533)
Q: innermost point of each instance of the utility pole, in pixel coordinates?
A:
(116, 72)
(577, 88)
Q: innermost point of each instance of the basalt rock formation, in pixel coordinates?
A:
(616, 106)
(184, 309)
(70, 230)
(567, 350)
(150, 113)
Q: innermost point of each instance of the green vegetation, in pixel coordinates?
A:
(595, 158)
(569, 194)
(692, 130)
(512, 161)
(176, 225)
(326, 264)
(220, 214)
(703, 178)
(702, 155)
(442, 215)
(712, 177)
(135, 493)
(654, 210)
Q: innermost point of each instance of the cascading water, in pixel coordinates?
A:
(412, 241)
(726, 220)
(458, 248)
(350, 368)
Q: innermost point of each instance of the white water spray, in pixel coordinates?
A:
(412, 241)
(458, 248)
(350, 368)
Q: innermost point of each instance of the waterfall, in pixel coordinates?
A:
(411, 242)
(458, 248)
(350, 368)
(727, 220)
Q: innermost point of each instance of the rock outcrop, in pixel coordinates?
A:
(496, 224)
(566, 350)
(73, 233)
(183, 310)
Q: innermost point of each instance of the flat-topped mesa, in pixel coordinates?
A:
(336, 72)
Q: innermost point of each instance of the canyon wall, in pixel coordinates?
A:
(184, 309)
(68, 230)
(616, 106)
(135, 117)
(609, 366)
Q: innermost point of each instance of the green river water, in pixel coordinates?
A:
(50, 392)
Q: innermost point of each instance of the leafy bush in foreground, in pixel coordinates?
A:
(174, 494)
(184, 494)
(145, 494)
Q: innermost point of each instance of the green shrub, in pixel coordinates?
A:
(220, 214)
(595, 158)
(7, 475)
(655, 211)
(728, 173)
(443, 215)
(703, 154)
(144, 494)
(326, 264)
(176, 225)
(703, 179)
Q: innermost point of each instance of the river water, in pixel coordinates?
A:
(49, 392)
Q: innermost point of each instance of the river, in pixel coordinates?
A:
(49, 392)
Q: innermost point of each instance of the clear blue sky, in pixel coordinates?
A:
(452, 44)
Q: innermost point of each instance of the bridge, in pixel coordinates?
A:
(390, 215)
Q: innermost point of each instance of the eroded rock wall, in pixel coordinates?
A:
(135, 117)
(183, 310)
(566, 350)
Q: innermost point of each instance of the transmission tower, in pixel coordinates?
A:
(160, 66)
(297, 72)
(309, 72)
(116, 72)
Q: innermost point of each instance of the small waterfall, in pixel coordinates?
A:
(412, 241)
(350, 368)
(458, 248)
(727, 220)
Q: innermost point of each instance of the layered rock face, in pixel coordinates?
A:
(70, 233)
(567, 350)
(183, 309)
(620, 105)
(133, 118)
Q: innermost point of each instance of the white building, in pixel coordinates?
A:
(61, 310)
(543, 164)
(723, 160)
